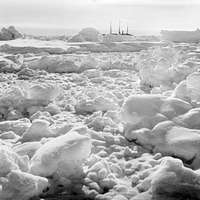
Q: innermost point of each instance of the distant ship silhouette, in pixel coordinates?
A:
(120, 30)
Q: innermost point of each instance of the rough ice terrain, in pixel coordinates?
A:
(117, 121)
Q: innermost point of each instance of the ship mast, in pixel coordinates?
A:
(127, 30)
(110, 28)
(119, 29)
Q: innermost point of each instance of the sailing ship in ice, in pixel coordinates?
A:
(120, 36)
(121, 31)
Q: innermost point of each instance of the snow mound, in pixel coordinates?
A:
(170, 139)
(145, 111)
(86, 34)
(27, 148)
(7, 65)
(11, 161)
(191, 119)
(54, 64)
(63, 156)
(38, 130)
(189, 89)
(181, 92)
(171, 178)
(162, 66)
(17, 126)
(99, 122)
(22, 186)
(9, 33)
(26, 98)
(42, 92)
(98, 104)
(26, 73)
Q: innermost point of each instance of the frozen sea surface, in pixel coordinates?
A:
(112, 125)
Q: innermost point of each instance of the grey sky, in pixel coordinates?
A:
(75, 14)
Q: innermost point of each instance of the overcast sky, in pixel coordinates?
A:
(76, 14)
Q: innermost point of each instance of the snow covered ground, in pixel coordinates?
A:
(122, 125)
(23, 46)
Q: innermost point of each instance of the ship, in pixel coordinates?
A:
(181, 36)
(121, 35)
(120, 30)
